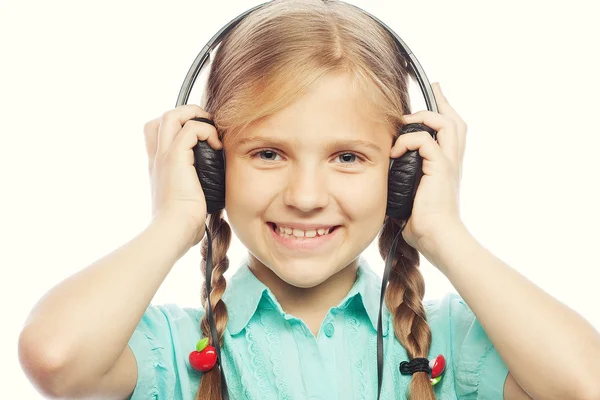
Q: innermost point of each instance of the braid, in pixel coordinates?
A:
(404, 299)
(210, 382)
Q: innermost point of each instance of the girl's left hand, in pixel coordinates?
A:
(435, 210)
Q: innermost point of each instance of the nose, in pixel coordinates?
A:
(306, 189)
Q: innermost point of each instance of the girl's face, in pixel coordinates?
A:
(318, 164)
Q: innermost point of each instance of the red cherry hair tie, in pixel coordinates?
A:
(435, 366)
(204, 357)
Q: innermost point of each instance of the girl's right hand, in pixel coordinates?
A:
(176, 189)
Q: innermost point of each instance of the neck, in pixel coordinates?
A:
(309, 304)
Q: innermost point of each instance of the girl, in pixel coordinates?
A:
(307, 98)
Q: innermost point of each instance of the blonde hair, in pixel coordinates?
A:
(269, 60)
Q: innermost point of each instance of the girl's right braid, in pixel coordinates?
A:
(210, 383)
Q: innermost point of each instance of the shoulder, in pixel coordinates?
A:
(162, 339)
(165, 316)
(476, 365)
(167, 327)
(451, 320)
(165, 332)
(446, 300)
(449, 309)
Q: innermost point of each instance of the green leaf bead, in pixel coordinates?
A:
(202, 343)
(435, 380)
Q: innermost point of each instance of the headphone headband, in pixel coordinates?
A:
(414, 67)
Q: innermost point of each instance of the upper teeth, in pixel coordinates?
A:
(301, 233)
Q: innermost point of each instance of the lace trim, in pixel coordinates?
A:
(480, 364)
(155, 356)
(233, 385)
(258, 364)
(273, 339)
(358, 379)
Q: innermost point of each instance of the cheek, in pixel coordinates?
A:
(247, 192)
(364, 195)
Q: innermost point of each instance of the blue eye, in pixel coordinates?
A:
(348, 157)
(268, 153)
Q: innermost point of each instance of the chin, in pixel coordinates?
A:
(303, 273)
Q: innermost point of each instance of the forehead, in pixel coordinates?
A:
(332, 109)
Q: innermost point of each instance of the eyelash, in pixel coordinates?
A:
(358, 156)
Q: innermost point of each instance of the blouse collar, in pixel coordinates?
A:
(245, 293)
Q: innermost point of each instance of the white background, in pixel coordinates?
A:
(79, 80)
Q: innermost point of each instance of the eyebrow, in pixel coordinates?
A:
(333, 144)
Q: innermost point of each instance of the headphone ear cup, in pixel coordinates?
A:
(404, 177)
(210, 168)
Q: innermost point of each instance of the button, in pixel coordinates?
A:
(329, 329)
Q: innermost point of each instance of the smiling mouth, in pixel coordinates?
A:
(299, 233)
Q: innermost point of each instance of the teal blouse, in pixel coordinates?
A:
(270, 354)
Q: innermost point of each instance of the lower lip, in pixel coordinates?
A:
(306, 243)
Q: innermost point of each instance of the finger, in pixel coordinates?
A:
(444, 106)
(432, 119)
(173, 120)
(446, 109)
(446, 131)
(150, 138)
(190, 134)
(421, 141)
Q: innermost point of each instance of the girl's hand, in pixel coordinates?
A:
(176, 189)
(435, 209)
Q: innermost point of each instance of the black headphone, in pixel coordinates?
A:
(403, 179)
